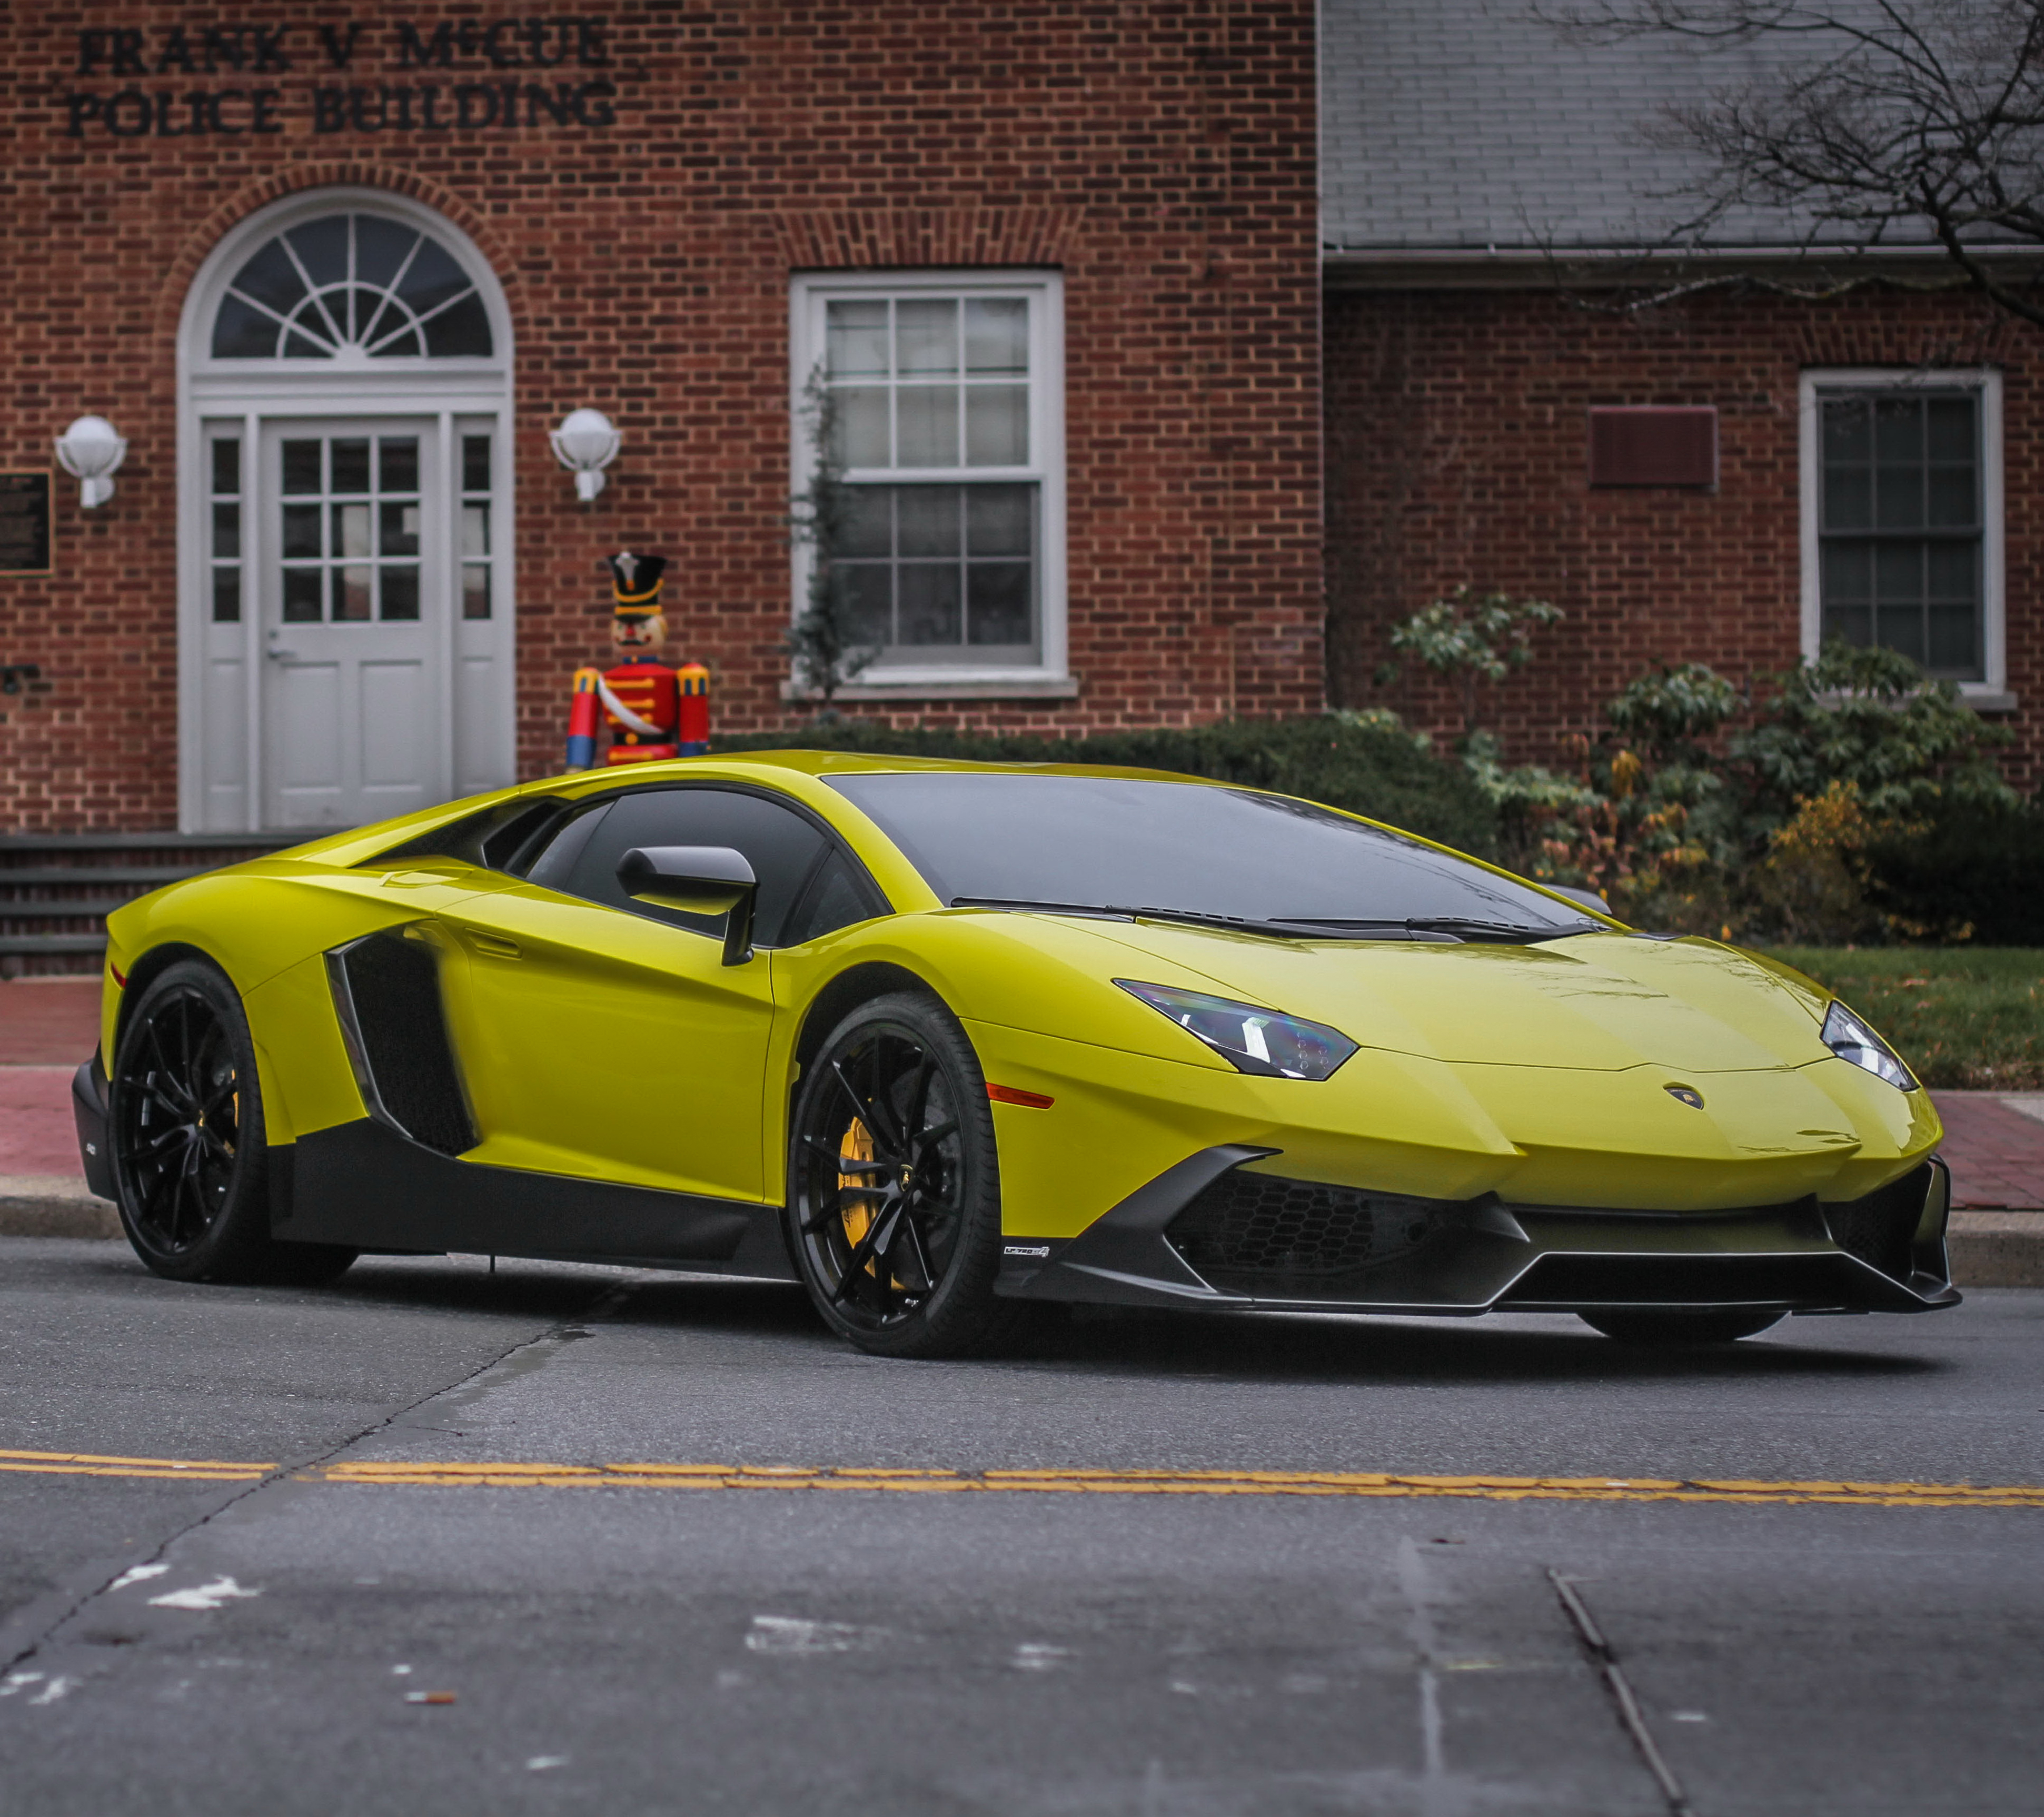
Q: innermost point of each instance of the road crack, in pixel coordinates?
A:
(25, 1632)
(1631, 1717)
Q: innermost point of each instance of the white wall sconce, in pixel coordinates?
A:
(585, 444)
(90, 451)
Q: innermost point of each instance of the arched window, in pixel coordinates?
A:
(351, 286)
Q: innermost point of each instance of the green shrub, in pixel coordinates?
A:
(1365, 764)
(1975, 873)
(1869, 717)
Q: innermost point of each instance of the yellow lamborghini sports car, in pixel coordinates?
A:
(938, 1039)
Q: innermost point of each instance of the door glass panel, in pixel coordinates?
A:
(301, 596)
(350, 465)
(475, 483)
(350, 594)
(401, 593)
(223, 554)
(301, 466)
(351, 529)
(397, 463)
(353, 557)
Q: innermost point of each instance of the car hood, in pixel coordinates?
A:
(1600, 1002)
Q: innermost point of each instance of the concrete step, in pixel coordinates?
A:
(74, 877)
(83, 876)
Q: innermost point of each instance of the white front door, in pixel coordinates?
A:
(354, 598)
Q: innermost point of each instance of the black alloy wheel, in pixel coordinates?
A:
(1661, 1329)
(189, 1160)
(894, 1199)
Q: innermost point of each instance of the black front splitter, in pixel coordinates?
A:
(1482, 1255)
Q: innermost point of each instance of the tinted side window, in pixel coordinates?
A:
(836, 897)
(782, 847)
(495, 837)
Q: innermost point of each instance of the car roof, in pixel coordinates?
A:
(790, 769)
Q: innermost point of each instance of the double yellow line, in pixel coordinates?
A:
(1357, 1483)
(88, 1464)
(1350, 1483)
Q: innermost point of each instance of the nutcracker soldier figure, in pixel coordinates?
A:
(652, 710)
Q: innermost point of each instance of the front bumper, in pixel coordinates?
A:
(1208, 1232)
(88, 1110)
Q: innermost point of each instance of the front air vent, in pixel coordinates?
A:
(1881, 1229)
(386, 992)
(1257, 1232)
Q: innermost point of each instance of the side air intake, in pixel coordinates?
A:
(386, 992)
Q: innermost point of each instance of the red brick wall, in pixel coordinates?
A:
(1457, 446)
(1160, 153)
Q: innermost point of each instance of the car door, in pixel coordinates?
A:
(605, 1038)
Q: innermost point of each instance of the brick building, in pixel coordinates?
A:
(1092, 288)
(335, 273)
(1726, 479)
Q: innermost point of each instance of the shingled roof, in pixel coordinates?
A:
(1472, 127)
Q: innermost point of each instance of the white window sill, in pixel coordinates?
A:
(949, 685)
(1978, 695)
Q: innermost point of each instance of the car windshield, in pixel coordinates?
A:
(1086, 841)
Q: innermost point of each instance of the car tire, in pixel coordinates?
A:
(187, 1140)
(893, 1212)
(1673, 1327)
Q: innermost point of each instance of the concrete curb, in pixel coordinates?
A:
(1997, 1249)
(51, 1204)
(1988, 1249)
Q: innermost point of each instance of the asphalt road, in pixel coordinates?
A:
(967, 1642)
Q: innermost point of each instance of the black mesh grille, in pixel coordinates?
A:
(1258, 1224)
(1879, 1228)
(396, 991)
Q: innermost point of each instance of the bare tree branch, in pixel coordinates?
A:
(1882, 125)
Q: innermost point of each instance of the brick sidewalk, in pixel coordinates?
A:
(1996, 1152)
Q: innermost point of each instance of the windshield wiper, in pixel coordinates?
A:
(1116, 912)
(1301, 929)
(1469, 928)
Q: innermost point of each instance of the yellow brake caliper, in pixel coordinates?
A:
(856, 1144)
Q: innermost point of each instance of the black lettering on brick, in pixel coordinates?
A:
(176, 53)
(436, 53)
(140, 117)
(474, 107)
(224, 45)
(340, 50)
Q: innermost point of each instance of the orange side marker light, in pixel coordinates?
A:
(1014, 1094)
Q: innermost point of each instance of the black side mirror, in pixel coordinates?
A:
(697, 880)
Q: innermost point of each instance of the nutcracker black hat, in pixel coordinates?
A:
(635, 582)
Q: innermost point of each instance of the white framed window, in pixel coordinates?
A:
(1902, 519)
(945, 405)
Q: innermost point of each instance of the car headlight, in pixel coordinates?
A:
(1851, 1040)
(1266, 1041)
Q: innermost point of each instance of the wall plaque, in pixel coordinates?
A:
(25, 522)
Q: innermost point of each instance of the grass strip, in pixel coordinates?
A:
(1966, 1018)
